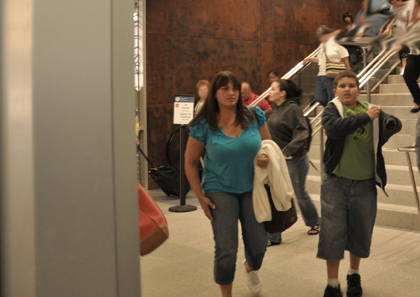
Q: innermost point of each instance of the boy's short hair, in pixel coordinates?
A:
(343, 74)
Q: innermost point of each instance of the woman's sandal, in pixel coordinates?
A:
(314, 230)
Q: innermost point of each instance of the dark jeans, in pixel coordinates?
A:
(324, 89)
(411, 75)
(229, 209)
(348, 213)
(298, 170)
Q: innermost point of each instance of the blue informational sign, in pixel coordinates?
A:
(183, 109)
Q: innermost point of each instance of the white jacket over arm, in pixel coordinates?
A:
(277, 176)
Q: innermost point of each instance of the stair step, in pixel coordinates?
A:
(396, 79)
(408, 126)
(401, 112)
(398, 99)
(393, 88)
(400, 140)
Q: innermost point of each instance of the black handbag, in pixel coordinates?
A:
(280, 220)
(167, 177)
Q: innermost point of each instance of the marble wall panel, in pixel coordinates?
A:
(157, 132)
(267, 20)
(190, 59)
(297, 23)
(155, 16)
(286, 56)
(155, 69)
(169, 119)
(233, 19)
(267, 63)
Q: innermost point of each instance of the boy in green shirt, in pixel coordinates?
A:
(354, 165)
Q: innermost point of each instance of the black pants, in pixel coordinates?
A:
(411, 75)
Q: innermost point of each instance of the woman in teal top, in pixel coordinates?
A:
(230, 137)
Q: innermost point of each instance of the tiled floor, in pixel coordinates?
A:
(183, 265)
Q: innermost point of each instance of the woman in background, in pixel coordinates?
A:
(348, 18)
(272, 75)
(203, 87)
(290, 130)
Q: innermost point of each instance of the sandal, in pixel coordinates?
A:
(314, 230)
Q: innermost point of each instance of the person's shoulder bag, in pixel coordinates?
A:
(333, 68)
(152, 223)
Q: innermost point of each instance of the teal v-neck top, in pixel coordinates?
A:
(229, 161)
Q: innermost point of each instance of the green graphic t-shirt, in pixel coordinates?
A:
(358, 159)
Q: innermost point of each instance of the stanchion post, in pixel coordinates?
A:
(183, 207)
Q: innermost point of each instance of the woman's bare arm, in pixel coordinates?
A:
(193, 153)
(347, 63)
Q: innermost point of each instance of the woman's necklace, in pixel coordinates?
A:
(232, 129)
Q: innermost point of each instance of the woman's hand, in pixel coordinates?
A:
(262, 161)
(206, 204)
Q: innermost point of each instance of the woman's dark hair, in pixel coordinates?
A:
(292, 90)
(273, 72)
(211, 109)
(348, 15)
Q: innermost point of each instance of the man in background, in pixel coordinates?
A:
(248, 97)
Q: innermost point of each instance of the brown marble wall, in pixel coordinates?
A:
(189, 40)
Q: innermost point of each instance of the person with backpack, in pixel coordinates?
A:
(291, 130)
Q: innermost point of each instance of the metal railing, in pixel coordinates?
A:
(289, 75)
(407, 151)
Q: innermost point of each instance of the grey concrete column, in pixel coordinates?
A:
(68, 211)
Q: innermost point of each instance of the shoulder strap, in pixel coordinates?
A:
(144, 155)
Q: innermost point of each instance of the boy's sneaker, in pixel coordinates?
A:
(354, 289)
(254, 283)
(333, 292)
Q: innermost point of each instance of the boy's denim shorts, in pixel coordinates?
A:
(348, 213)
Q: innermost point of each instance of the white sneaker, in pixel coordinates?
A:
(254, 283)
(402, 71)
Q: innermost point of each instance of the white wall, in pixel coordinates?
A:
(68, 167)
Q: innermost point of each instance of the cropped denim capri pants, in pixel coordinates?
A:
(348, 213)
(231, 208)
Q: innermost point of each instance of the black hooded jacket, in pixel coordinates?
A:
(289, 128)
(336, 128)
